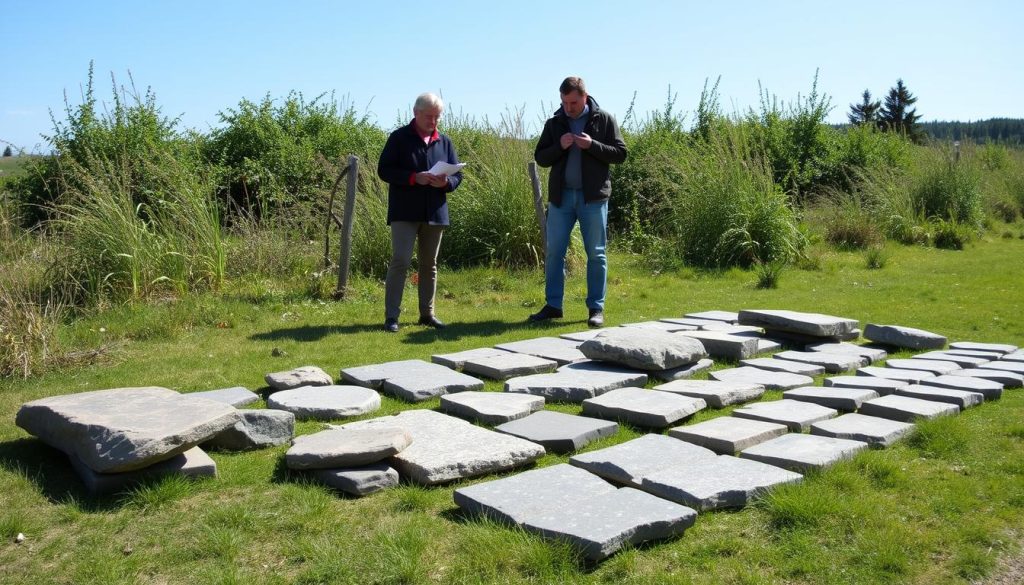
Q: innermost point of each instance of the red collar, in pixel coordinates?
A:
(433, 137)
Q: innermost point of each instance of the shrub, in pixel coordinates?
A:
(950, 235)
(769, 273)
(946, 190)
(876, 258)
(849, 224)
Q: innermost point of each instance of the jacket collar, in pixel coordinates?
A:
(560, 112)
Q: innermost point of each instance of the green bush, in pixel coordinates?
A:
(947, 190)
(950, 235)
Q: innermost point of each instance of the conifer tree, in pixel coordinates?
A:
(865, 112)
(7, 152)
(898, 116)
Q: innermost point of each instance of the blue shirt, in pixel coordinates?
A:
(573, 167)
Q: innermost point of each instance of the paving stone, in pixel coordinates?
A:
(964, 361)
(764, 345)
(297, 378)
(834, 363)
(124, 429)
(359, 481)
(508, 365)
(193, 463)
(256, 429)
(961, 398)
(936, 367)
(491, 408)
(645, 408)
(606, 367)
(875, 431)
(813, 324)
(911, 376)
(848, 399)
(907, 337)
(723, 327)
(716, 394)
(663, 325)
(627, 463)
(573, 385)
(236, 396)
(724, 345)
(682, 372)
(726, 316)
(559, 432)
(1017, 356)
(906, 409)
(419, 387)
(781, 365)
(796, 415)
(563, 351)
(1015, 367)
(999, 347)
(326, 402)
(802, 453)
(457, 359)
(989, 355)
(728, 434)
(881, 386)
(568, 504)
(1007, 379)
(722, 482)
(346, 447)
(694, 324)
(582, 336)
(643, 349)
(873, 354)
(770, 380)
(991, 389)
(374, 375)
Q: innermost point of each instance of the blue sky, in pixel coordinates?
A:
(961, 59)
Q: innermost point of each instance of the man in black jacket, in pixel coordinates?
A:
(579, 143)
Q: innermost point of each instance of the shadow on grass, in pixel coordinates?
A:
(410, 332)
(52, 474)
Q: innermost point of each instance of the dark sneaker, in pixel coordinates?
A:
(432, 322)
(548, 312)
(596, 318)
(391, 325)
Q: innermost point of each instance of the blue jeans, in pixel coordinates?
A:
(593, 218)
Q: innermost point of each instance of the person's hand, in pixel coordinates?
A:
(567, 139)
(439, 181)
(583, 140)
(424, 178)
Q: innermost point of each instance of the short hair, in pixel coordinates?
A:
(427, 101)
(572, 84)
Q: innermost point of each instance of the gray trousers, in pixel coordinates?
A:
(403, 235)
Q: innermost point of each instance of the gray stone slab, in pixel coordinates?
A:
(723, 482)
(563, 351)
(420, 387)
(326, 402)
(237, 396)
(796, 415)
(192, 463)
(991, 389)
(645, 408)
(663, 325)
(568, 504)
(989, 355)
(582, 336)
(572, 385)
(627, 463)
(725, 345)
(559, 432)
(726, 316)
(846, 399)
(813, 324)
(998, 347)
(800, 340)
(508, 365)
(124, 429)
(961, 398)
(1005, 366)
(374, 375)
(457, 359)
(875, 431)
(911, 376)
(873, 354)
(881, 386)
(782, 365)
(606, 367)
(297, 378)
(721, 327)
(802, 453)
(643, 349)
(256, 429)
(682, 372)
(936, 367)
(834, 363)
(715, 393)
(694, 324)
(728, 434)
(770, 380)
(907, 337)
(964, 361)
(491, 408)
(359, 481)
(906, 409)
(1017, 356)
(346, 447)
(1007, 379)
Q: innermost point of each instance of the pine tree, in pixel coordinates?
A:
(7, 152)
(865, 112)
(898, 116)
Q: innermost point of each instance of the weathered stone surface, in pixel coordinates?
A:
(682, 372)
(457, 359)
(414, 388)
(342, 447)
(568, 504)
(563, 351)
(716, 394)
(796, 415)
(326, 402)
(573, 385)
(932, 366)
(906, 409)
(728, 434)
(236, 396)
(627, 463)
(125, 429)
(960, 398)
(848, 399)
(910, 376)
(643, 349)
(1007, 379)
(359, 481)
(257, 429)
(446, 448)
(964, 361)
(989, 355)
(726, 316)
(645, 408)
(722, 482)
(722, 327)
(813, 324)
(508, 365)
(881, 386)
(724, 345)
(770, 380)
(193, 463)
(908, 337)
(764, 345)
(694, 324)
(999, 347)
(559, 432)
(833, 363)
(606, 367)
(991, 389)
(782, 365)
(297, 378)
(873, 354)
(875, 431)
(582, 336)
(374, 375)
(1005, 366)
(802, 453)
(663, 325)
(491, 408)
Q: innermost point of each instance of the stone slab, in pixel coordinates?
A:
(417, 388)
(725, 345)
(906, 409)
(991, 389)
(846, 399)
(559, 432)
(508, 365)
(627, 463)
(663, 325)
(694, 324)
(960, 398)
(573, 385)
(1007, 379)
(297, 378)
(989, 355)
(682, 372)
(910, 376)
(193, 462)
(723, 482)
(764, 345)
(727, 435)
(721, 327)
(834, 363)
(715, 393)
(643, 349)
(998, 347)
(813, 324)
(796, 415)
(359, 481)
(881, 386)
(936, 367)
(374, 375)
(1005, 366)
(457, 359)
(770, 380)
(802, 453)
(491, 408)
(964, 361)
(124, 429)
(342, 447)
(875, 431)
(726, 316)
(782, 365)
(801, 340)
(256, 429)
(908, 337)
(326, 402)
(563, 351)
(582, 336)
(644, 408)
(237, 396)
(873, 354)
(1016, 356)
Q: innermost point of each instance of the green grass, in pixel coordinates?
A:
(939, 507)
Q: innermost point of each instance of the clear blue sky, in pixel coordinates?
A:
(963, 60)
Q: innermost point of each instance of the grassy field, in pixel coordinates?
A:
(941, 507)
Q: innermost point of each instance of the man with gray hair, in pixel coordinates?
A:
(417, 206)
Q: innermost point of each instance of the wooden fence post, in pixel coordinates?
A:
(346, 225)
(538, 206)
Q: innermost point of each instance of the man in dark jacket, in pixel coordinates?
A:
(579, 143)
(417, 205)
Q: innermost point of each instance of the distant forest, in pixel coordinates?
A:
(998, 130)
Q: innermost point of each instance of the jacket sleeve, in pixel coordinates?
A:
(453, 158)
(609, 148)
(548, 150)
(389, 167)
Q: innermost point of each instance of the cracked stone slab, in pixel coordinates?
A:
(997, 347)
(326, 402)
(683, 372)
(411, 380)
(342, 447)
(124, 429)
(563, 351)
(297, 378)
(559, 432)
(770, 380)
(796, 415)
(991, 389)
(573, 385)
(846, 399)
(193, 463)
(491, 408)
(568, 504)
(508, 365)
(960, 398)
(374, 375)
(256, 429)
(582, 336)
(882, 386)
(802, 453)
(782, 365)
(237, 396)
(936, 367)
(906, 409)
(725, 316)
(643, 349)
(1007, 379)
(457, 359)
(727, 435)
(715, 393)
(663, 325)
(908, 337)
(964, 361)
(359, 481)
(627, 463)
(727, 346)
(640, 407)
(909, 376)
(834, 363)
(1005, 366)
(813, 324)
(722, 482)
(873, 354)
(875, 431)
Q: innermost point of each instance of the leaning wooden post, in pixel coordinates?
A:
(538, 205)
(346, 225)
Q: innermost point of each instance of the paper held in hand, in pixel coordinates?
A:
(443, 168)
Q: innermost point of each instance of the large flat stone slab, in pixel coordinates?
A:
(782, 365)
(582, 336)
(663, 325)
(796, 415)
(802, 453)
(812, 324)
(1007, 379)
(1017, 356)
(297, 378)
(508, 365)
(644, 408)
(559, 432)
(256, 429)
(573, 385)
(682, 372)
(770, 380)
(906, 409)
(834, 363)
(910, 376)
(715, 393)
(563, 351)
(875, 431)
(881, 386)
(991, 389)
(491, 408)
(726, 346)
(727, 435)
(412, 380)
(764, 344)
(627, 463)
(694, 324)
(326, 402)
(908, 337)
(1005, 366)
(457, 359)
(722, 482)
(960, 398)
(341, 447)
(846, 399)
(124, 429)
(964, 361)
(936, 367)
(193, 463)
(724, 316)
(989, 355)
(237, 396)
(359, 481)
(873, 354)
(998, 347)
(643, 349)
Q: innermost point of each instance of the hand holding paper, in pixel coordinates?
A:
(443, 168)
